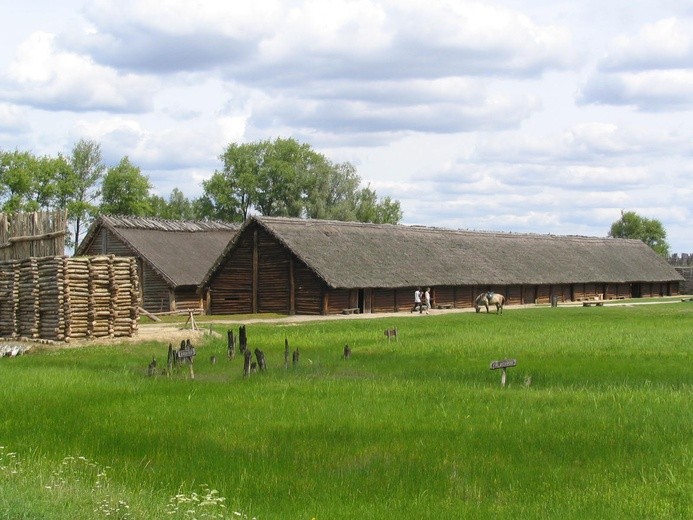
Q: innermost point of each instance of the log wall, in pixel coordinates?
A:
(687, 284)
(273, 275)
(513, 295)
(59, 298)
(464, 297)
(231, 289)
(156, 294)
(405, 299)
(309, 290)
(186, 299)
(338, 299)
(383, 300)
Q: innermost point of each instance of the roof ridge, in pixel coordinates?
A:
(436, 229)
(161, 224)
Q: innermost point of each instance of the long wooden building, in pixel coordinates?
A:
(172, 256)
(299, 266)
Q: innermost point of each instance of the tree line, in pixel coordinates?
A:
(280, 177)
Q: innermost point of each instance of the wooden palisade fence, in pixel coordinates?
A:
(38, 234)
(60, 298)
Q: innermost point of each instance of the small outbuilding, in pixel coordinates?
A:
(303, 266)
(172, 256)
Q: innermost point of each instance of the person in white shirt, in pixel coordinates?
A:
(427, 299)
(417, 300)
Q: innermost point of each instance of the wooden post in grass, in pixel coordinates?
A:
(286, 352)
(260, 357)
(171, 360)
(391, 333)
(503, 364)
(242, 339)
(246, 362)
(230, 344)
(151, 368)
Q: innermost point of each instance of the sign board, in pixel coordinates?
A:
(187, 353)
(505, 363)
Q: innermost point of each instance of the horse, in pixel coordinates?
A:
(490, 298)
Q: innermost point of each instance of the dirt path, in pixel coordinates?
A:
(175, 332)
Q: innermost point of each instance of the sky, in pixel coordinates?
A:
(522, 116)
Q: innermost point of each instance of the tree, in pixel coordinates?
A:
(17, 170)
(51, 184)
(369, 209)
(177, 207)
(224, 198)
(650, 231)
(330, 191)
(286, 178)
(158, 207)
(125, 191)
(87, 171)
(282, 176)
(30, 183)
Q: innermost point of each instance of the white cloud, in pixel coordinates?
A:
(369, 116)
(652, 90)
(665, 44)
(44, 76)
(12, 118)
(651, 70)
(176, 147)
(272, 42)
(585, 143)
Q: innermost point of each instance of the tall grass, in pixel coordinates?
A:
(595, 422)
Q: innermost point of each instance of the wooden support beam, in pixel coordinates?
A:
(148, 314)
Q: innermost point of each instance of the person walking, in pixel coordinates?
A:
(417, 300)
(427, 299)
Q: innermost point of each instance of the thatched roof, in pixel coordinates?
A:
(181, 252)
(351, 255)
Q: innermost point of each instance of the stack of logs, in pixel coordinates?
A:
(59, 298)
(9, 297)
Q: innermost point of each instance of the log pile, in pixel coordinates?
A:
(78, 299)
(28, 298)
(59, 298)
(50, 304)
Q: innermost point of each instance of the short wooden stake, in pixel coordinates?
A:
(286, 352)
(242, 338)
(391, 333)
(230, 344)
(246, 362)
(171, 360)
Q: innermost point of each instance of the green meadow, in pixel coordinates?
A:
(596, 421)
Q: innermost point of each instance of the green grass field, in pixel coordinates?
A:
(596, 421)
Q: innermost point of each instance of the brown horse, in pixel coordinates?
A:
(490, 298)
